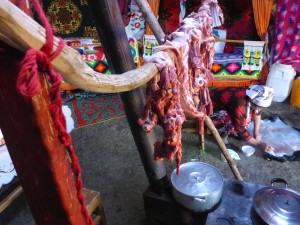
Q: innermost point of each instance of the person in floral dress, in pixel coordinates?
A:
(235, 108)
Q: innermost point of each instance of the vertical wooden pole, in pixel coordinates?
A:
(210, 125)
(40, 160)
(151, 20)
(112, 34)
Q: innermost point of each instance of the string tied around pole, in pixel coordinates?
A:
(28, 84)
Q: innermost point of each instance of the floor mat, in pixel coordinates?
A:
(284, 138)
(91, 110)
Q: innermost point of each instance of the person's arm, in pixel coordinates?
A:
(256, 122)
(254, 141)
(264, 147)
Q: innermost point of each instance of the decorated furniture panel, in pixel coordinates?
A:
(240, 66)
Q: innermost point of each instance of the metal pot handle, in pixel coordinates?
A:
(279, 180)
(199, 199)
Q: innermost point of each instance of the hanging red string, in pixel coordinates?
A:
(28, 84)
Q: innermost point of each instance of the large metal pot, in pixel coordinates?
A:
(199, 187)
(276, 205)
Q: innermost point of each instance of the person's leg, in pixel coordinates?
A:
(223, 124)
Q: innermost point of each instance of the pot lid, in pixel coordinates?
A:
(197, 179)
(277, 205)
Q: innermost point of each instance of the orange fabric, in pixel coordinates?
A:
(154, 5)
(262, 13)
(231, 83)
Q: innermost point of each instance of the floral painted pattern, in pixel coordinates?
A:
(287, 35)
(136, 27)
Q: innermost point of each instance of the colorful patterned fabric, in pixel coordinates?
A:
(134, 48)
(222, 122)
(83, 45)
(149, 42)
(91, 110)
(73, 18)
(229, 57)
(93, 54)
(100, 66)
(235, 102)
(136, 26)
(233, 70)
(253, 54)
(70, 18)
(287, 37)
(168, 15)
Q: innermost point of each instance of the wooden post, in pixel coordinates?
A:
(112, 35)
(151, 20)
(223, 148)
(40, 160)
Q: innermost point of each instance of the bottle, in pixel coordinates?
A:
(280, 78)
(295, 95)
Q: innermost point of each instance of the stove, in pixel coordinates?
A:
(236, 204)
(233, 209)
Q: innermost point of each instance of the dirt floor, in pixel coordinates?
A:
(110, 163)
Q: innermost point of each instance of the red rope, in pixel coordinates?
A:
(28, 84)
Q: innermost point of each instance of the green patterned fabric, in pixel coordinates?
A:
(233, 70)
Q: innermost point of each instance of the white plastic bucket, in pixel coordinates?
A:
(281, 78)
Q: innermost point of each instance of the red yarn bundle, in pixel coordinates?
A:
(28, 84)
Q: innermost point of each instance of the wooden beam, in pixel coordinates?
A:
(40, 159)
(22, 32)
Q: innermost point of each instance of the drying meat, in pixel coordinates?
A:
(180, 90)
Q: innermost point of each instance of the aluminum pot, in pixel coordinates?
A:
(276, 205)
(199, 187)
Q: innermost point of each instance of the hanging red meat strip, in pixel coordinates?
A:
(181, 90)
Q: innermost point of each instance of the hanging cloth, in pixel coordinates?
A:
(287, 36)
(216, 14)
(252, 55)
(262, 13)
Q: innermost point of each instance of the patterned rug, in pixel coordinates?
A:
(91, 110)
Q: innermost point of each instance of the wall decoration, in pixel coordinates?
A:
(71, 18)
